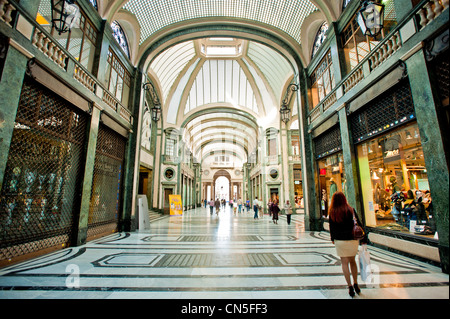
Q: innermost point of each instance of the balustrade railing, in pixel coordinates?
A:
(430, 11)
(426, 13)
(51, 48)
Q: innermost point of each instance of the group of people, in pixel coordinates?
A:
(273, 208)
(342, 218)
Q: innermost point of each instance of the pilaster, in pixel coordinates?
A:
(81, 235)
(351, 174)
(10, 91)
(433, 147)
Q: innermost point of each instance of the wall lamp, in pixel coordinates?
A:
(371, 18)
(285, 111)
(156, 108)
(64, 14)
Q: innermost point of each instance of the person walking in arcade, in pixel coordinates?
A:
(341, 216)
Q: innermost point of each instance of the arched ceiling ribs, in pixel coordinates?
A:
(217, 144)
(222, 152)
(228, 131)
(213, 110)
(286, 16)
(203, 116)
(206, 126)
(227, 144)
(215, 148)
(226, 123)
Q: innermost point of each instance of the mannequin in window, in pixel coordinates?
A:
(333, 188)
(397, 199)
(408, 207)
(394, 186)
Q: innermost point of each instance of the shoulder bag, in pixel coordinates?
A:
(358, 232)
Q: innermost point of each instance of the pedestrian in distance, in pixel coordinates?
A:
(269, 207)
(255, 207)
(275, 211)
(341, 217)
(217, 206)
(288, 211)
(211, 206)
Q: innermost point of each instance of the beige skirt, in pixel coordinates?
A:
(346, 248)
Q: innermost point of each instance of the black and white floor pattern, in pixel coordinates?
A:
(224, 256)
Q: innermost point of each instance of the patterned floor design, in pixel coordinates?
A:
(224, 256)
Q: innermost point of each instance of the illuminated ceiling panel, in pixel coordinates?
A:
(277, 71)
(169, 64)
(285, 15)
(221, 81)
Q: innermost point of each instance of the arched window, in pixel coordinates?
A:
(94, 4)
(320, 37)
(345, 3)
(120, 37)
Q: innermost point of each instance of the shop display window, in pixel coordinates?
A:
(331, 179)
(298, 188)
(356, 45)
(394, 182)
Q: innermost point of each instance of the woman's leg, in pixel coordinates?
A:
(345, 268)
(354, 269)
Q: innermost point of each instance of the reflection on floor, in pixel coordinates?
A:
(229, 256)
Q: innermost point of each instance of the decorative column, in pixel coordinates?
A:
(88, 176)
(431, 134)
(351, 174)
(313, 220)
(10, 89)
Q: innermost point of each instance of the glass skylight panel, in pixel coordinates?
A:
(168, 65)
(221, 39)
(157, 14)
(220, 81)
(221, 50)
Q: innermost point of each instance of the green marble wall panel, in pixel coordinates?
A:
(10, 90)
(88, 176)
(351, 174)
(433, 147)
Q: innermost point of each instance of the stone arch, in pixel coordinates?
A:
(222, 173)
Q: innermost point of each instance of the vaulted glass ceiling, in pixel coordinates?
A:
(225, 91)
(251, 79)
(285, 15)
(221, 92)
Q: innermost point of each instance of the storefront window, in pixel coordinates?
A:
(298, 188)
(394, 182)
(331, 179)
(295, 143)
(356, 45)
(80, 41)
(322, 80)
(118, 79)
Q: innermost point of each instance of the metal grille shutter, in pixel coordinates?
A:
(391, 109)
(328, 142)
(41, 189)
(107, 183)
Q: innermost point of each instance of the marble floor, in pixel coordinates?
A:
(224, 256)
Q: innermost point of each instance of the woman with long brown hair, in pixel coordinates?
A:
(341, 231)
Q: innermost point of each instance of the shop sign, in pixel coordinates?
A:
(391, 149)
(176, 207)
